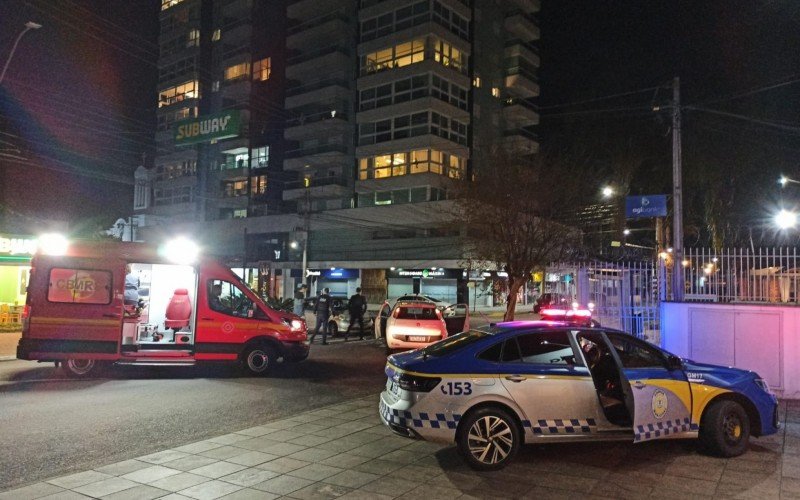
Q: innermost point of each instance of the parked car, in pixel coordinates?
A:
(414, 324)
(550, 300)
(493, 389)
(416, 297)
(340, 320)
(338, 303)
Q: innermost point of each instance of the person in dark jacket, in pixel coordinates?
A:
(323, 311)
(357, 306)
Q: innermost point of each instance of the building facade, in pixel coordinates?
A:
(355, 120)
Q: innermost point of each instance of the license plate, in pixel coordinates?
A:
(417, 339)
(393, 388)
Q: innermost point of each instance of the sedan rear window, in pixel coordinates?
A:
(455, 343)
(416, 313)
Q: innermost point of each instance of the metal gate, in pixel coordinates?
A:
(622, 295)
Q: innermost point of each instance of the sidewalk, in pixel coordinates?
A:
(344, 451)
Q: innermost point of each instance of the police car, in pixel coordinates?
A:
(493, 389)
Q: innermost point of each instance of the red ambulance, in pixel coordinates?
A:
(101, 303)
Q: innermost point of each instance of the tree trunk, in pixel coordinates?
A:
(511, 304)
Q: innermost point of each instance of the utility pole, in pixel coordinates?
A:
(306, 228)
(677, 195)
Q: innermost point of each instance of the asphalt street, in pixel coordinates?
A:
(53, 425)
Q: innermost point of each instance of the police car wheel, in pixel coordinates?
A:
(488, 438)
(725, 430)
(258, 360)
(79, 367)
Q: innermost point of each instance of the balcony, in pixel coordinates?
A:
(517, 49)
(522, 25)
(521, 141)
(310, 66)
(300, 33)
(519, 112)
(321, 155)
(320, 187)
(527, 6)
(315, 54)
(521, 82)
(330, 90)
(316, 126)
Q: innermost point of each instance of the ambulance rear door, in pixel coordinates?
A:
(75, 309)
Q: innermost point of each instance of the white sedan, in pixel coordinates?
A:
(414, 324)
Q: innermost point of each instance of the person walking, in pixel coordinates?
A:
(299, 296)
(357, 306)
(323, 311)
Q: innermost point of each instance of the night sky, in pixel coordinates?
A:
(84, 88)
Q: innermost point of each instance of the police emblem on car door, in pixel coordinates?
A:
(661, 391)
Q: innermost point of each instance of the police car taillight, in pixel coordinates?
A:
(417, 384)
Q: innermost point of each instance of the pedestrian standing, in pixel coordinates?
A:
(299, 296)
(357, 306)
(323, 312)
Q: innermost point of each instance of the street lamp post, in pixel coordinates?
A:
(30, 25)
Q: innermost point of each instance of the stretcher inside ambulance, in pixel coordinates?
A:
(126, 303)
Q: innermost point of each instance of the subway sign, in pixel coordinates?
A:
(207, 128)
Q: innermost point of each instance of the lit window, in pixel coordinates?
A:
(215, 86)
(495, 92)
(476, 82)
(237, 71)
(193, 40)
(258, 185)
(449, 56)
(394, 57)
(217, 35)
(259, 157)
(262, 69)
(240, 213)
(413, 162)
(178, 93)
(232, 189)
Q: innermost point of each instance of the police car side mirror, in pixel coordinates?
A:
(674, 362)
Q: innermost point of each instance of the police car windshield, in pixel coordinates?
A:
(455, 343)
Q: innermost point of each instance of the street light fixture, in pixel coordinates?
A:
(783, 181)
(30, 25)
(608, 191)
(786, 219)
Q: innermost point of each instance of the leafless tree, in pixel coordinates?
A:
(514, 213)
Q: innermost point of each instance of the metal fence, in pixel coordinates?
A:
(624, 295)
(762, 275)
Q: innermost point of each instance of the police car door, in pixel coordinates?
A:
(380, 320)
(662, 395)
(558, 397)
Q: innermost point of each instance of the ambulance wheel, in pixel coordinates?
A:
(258, 360)
(488, 438)
(79, 368)
(725, 429)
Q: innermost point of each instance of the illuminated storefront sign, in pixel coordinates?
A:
(430, 273)
(17, 248)
(206, 128)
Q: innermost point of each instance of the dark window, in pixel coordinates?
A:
(422, 313)
(636, 354)
(492, 354)
(511, 351)
(454, 343)
(546, 348)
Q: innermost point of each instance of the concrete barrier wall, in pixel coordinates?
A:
(762, 338)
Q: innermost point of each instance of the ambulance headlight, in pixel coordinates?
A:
(181, 251)
(53, 244)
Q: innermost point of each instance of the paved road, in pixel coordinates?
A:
(53, 425)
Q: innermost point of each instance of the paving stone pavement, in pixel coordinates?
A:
(343, 451)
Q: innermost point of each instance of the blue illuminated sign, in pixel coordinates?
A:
(642, 207)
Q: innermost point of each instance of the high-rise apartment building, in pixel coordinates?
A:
(349, 122)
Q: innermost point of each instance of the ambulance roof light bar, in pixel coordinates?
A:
(180, 250)
(53, 244)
